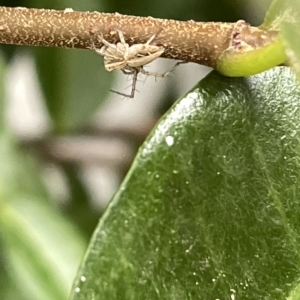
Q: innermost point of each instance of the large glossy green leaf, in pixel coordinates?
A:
(210, 208)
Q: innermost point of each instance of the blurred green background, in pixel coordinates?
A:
(66, 141)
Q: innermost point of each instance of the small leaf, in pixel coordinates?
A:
(284, 15)
(291, 36)
(281, 11)
(210, 208)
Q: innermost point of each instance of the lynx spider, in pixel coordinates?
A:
(130, 59)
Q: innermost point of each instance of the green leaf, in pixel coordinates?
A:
(281, 11)
(40, 249)
(284, 15)
(291, 35)
(210, 208)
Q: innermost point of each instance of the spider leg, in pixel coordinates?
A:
(108, 49)
(107, 44)
(121, 37)
(161, 75)
(134, 80)
(153, 37)
(102, 40)
(128, 72)
(154, 74)
(134, 72)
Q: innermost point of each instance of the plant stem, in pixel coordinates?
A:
(188, 41)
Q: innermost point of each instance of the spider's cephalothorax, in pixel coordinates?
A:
(129, 59)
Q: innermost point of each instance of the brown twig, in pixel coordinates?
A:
(189, 41)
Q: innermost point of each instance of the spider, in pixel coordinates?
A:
(129, 59)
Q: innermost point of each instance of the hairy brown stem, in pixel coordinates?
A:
(189, 41)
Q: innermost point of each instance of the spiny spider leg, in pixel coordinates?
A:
(161, 75)
(133, 72)
(108, 49)
(154, 74)
(121, 37)
(153, 37)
